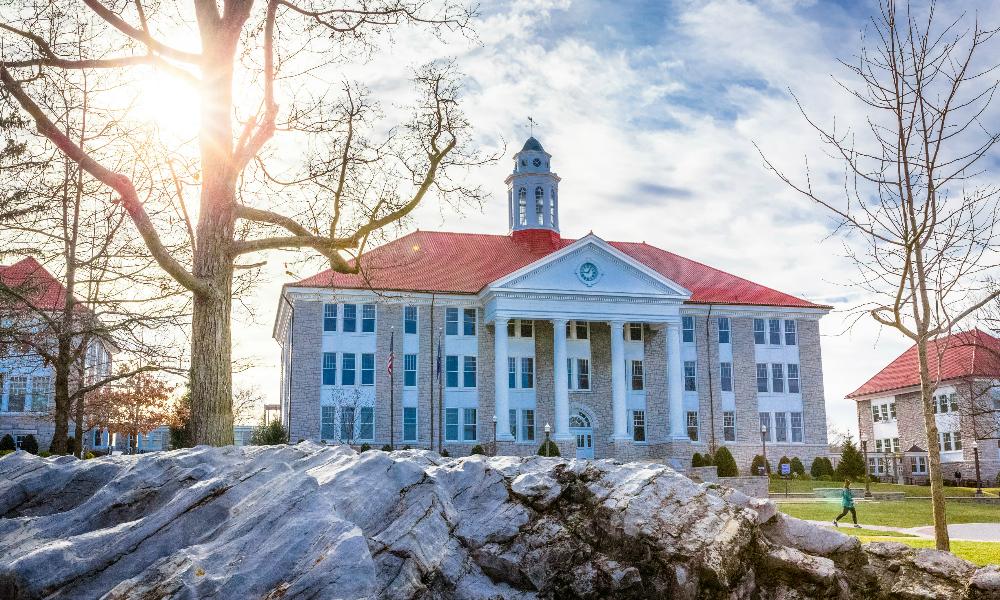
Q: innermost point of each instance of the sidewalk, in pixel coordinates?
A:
(971, 532)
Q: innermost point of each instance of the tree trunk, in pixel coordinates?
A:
(61, 409)
(941, 540)
(79, 427)
(211, 377)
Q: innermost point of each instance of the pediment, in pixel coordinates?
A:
(591, 266)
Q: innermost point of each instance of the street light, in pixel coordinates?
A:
(864, 451)
(763, 442)
(979, 481)
(494, 434)
(548, 429)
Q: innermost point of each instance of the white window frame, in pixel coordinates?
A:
(729, 425)
(725, 327)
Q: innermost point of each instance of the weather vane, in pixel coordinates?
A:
(531, 126)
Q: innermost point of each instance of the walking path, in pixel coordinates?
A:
(972, 532)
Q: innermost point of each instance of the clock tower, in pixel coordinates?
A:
(533, 191)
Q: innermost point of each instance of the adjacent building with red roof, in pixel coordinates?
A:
(966, 367)
(621, 349)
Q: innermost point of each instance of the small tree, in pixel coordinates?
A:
(852, 463)
(697, 460)
(818, 468)
(269, 433)
(797, 467)
(477, 449)
(7, 444)
(548, 448)
(135, 407)
(725, 464)
(757, 463)
(29, 444)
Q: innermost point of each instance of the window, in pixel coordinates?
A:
(41, 390)
(953, 401)
(946, 441)
(637, 380)
(762, 377)
(758, 332)
(638, 426)
(97, 437)
(635, 332)
(527, 373)
(451, 321)
(347, 366)
(512, 419)
(729, 426)
(367, 369)
(539, 205)
(569, 373)
(511, 372)
(469, 425)
(791, 332)
(687, 329)
(875, 414)
(528, 425)
(780, 427)
(367, 423)
(451, 424)
(726, 376)
(329, 317)
(511, 328)
(690, 376)
(692, 425)
(765, 426)
(410, 370)
(409, 319)
(582, 374)
(943, 403)
(350, 317)
(17, 392)
(919, 465)
(884, 409)
(469, 380)
(793, 381)
(469, 321)
(956, 436)
(582, 330)
(892, 411)
(451, 371)
(326, 422)
(878, 445)
(724, 330)
(409, 423)
(329, 368)
(777, 378)
(774, 332)
(522, 206)
(367, 318)
(796, 427)
(527, 328)
(347, 423)
(552, 207)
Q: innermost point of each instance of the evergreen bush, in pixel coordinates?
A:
(797, 467)
(852, 463)
(548, 448)
(7, 444)
(387, 448)
(365, 448)
(269, 433)
(477, 449)
(757, 463)
(444, 452)
(697, 460)
(29, 444)
(725, 464)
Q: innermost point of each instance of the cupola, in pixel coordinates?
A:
(533, 191)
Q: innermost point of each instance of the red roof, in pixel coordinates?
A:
(465, 263)
(965, 354)
(40, 288)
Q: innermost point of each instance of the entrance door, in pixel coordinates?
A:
(579, 426)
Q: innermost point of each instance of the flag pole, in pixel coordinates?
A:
(431, 399)
(440, 394)
(392, 389)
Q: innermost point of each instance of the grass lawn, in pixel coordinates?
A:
(904, 513)
(849, 529)
(800, 486)
(980, 553)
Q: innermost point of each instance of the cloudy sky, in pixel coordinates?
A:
(651, 111)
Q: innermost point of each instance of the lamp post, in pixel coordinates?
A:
(979, 481)
(763, 444)
(864, 452)
(494, 433)
(548, 429)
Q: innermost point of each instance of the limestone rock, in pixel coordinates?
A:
(310, 521)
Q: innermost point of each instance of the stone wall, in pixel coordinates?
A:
(753, 486)
(597, 401)
(306, 371)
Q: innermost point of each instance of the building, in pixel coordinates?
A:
(966, 410)
(624, 349)
(26, 381)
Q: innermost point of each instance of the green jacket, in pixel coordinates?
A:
(847, 498)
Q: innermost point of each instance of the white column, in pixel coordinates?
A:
(675, 382)
(500, 380)
(618, 381)
(561, 379)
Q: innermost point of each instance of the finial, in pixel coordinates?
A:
(531, 126)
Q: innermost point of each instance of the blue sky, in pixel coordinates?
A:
(651, 110)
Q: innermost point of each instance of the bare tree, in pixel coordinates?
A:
(926, 234)
(248, 402)
(282, 161)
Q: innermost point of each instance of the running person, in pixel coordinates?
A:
(847, 502)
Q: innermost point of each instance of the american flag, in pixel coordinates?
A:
(437, 367)
(392, 352)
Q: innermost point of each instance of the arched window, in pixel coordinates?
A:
(552, 208)
(539, 204)
(580, 419)
(522, 206)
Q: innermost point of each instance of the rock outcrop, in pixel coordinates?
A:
(308, 521)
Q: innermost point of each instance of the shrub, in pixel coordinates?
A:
(88, 455)
(821, 466)
(852, 464)
(30, 444)
(364, 448)
(477, 449)
(725, 464)
(269, 433)
(70, 445)
(548, 448)
(407, 447)
(784, 460)
(5, 452)
(797, 467)
(757, 463)
(697, 460)
(44, 454)
(387, 448)
(7, 444)
(444, 452)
